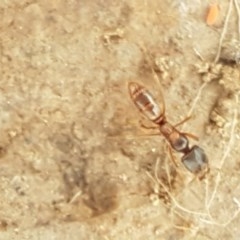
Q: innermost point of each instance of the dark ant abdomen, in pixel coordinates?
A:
(195, 160)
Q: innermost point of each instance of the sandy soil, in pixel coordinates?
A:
(75, 162)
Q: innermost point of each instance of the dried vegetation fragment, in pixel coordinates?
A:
(165, 65)
(114, 36)
(230, 79)
(209, 71)
(221, 114)
(227, 73)
(228, 76)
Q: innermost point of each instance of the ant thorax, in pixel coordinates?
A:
(178, 141)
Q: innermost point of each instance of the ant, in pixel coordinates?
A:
(194, 158)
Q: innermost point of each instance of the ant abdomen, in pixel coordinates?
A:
(195, 160)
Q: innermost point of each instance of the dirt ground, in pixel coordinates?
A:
(75, 162)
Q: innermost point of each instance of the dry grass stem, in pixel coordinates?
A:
(223, 31)
(177, 204)
(75, 197)
(238, 13)
(218, 177)
(198, 54)
(226, 153)
(197, 98)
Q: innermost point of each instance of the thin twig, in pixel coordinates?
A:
(170, 195)
(198, 54)
(224, 224)
(226, 153)
(190, 112)
(197, 98)
(75, 196)
(218, 178)
(206, 192)
(223, 31)
(238, 13)
(235, 200)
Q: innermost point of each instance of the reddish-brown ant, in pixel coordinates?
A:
(194, 158)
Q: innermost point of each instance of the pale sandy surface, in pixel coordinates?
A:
(64, 71)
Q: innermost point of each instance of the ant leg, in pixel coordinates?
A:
(191, 136)
(145, 126)
(183, 121)
(171, 155)
(185, 133)
(141, 135)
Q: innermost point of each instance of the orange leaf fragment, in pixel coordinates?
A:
(212, 15)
